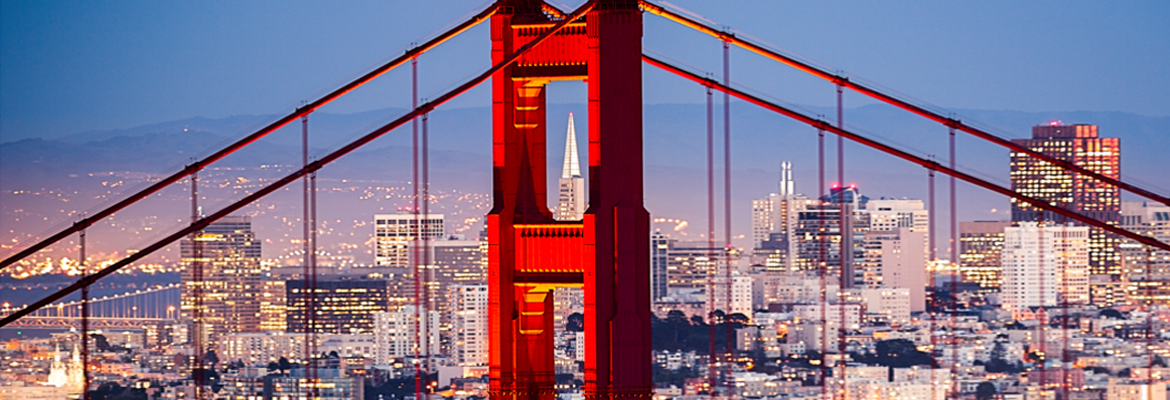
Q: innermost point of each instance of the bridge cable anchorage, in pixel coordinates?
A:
(910, 157)
(251, 138)
(313, 166)
(889, 99)
(712, 358)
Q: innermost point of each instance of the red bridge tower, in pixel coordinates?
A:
(530, 254)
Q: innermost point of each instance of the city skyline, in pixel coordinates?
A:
(618, 278)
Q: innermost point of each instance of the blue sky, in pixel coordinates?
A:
(71, 66)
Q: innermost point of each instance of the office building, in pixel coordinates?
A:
(470, 328)
(396, 334)
(1045, 265)
(690, 264)
(774, 222)
(571, 193)
(980, 247)
(1081, 146)
(819, 240)
(222, 278)
(894, 258)
(659, 251)
(342, 305)
(393, 234)
(740, 295)
(1146, 270)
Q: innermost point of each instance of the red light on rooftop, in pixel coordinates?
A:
(834, 186)
(1054, 122)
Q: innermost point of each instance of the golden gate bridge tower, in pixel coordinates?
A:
(607, 253)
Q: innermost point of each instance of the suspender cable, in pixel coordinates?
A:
(84, 337)
(933, 289)
(1042, 354)
(303, 110)
(822, 261)
(955, 262)
(874, 93)
(426, 242)
(417, 233)
(816, 123)
(196, 278)
(845, 252)
(711, 264)
(728, 247)
(313, 166)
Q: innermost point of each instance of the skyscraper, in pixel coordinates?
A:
(393, 234)
(659, 248)
(571, 203)
(894, 258)
(228, 288)
(774, 220)
(1079, 145)
(1146, 269)
(470, 328)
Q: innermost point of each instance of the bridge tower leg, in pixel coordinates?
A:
(529, 253)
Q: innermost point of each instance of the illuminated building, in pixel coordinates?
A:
(452, 262)
(231, 287)
(817, 230)
(1044, 265)
(273, 306)
(1146, 270)
(1079, 145)
(895, 258)
(980, 247)
(571, 201)
(689, 264)
(393, 234)
(741, 294)
(342, 305)
(470, 330)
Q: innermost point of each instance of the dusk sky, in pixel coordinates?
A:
(73, 66)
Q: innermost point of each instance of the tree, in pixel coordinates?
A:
(273, 367)
(900, 353)
(985, 391)
(1125, 373)
(1111, 314)
(284, 365)
(996, 362)
(738, 318)
(210, 358)
(575, 322)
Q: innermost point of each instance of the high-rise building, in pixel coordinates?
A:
(393, 234)
(1079, 145)
(740, 296)
(452, 262)
(396, 334)
(470, 328)
(691, 264)
(228, 288)
(818, 237)
(1044, 265)
(980, 247)
(1146, 272)
(342, 305)
(894, 258)
(571, 203)
(774, 221)
(659, 251)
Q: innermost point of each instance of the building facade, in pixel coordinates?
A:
(1045, 265)
(393, 234)
(222, 279)
(980, 249)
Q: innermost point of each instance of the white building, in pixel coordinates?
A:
(894, 258)
(571, 197)
(395, 334)
(741, 294)
(470, 325)
(893, 302)
(1045, 264)
(812, 312)
(890, 214)
(775, 217)
(393, 234)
